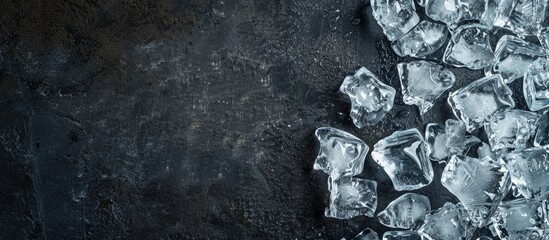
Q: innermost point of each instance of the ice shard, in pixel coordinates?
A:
(446, 140)
(511, 129)
(340, 154)
(402, 156)
(367, 234)
(529, 170)
(424, 39)
(523, 17)
(513, 56)
(407, 211)
(535, 85)
(401, 235)
(422, 82)
(543, 37)
(542, 135)
(396, 17)
(475, 103)
(449, 222)
(371, 99)
(351, 197)
(480, 184)
(470, 47)
(520, 219)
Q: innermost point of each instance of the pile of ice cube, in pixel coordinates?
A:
(479, 179)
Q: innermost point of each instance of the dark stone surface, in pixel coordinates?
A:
(165, 119)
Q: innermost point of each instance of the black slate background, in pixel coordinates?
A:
(144, 119)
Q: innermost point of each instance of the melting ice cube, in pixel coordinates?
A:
(401, 235)
(371, 99)
(402, 156)
(470, 47)
(351, 197)
(529, 170)
(542, 135)
(479, 184)
(396, 17)
(407, 211)
(536, 85)
(425, 38)
(513, 56)
(523, 17)
(448, 222)
(422, 82)
(367, 234)
(447, 140)
(340, 152)
(511, 129)
(475, 103)
(519, 219)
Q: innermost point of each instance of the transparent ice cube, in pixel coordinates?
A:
(402, 156)
(511, 128)
(475, 103)
(452, 12)
(543, 37)
(444, 140)
(519, 219)
(529, 170)
(479, 184)
(536, 85)
(351, 197)
(401, 235)
(484, 151)
(542, 135)
(422, 82)
(371, 99)
(407, 211)
(446, 11)
(340, 154)
(523, 17)
(396, 17)
(470, 47)
(425, 38)
(367, 234)
(448, 222)
(513, 56)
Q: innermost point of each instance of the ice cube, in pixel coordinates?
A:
(396, 17)
(448, 222)
(511, 129)
(479, 184)
(367, 234)
(470, 47)
(422, 82)
(519, 219)
(529, 170)
(371, 99)
(513, 56)
(447, 140)
(407, 211)
(402, 156)
(435, 139)
(453, 12)
(425, 38)
(340, 154)
(536, 85)
(543, 37)
(446, 11)
(475, 103)
(523, 17)
(401, 235)
(351, 197)
(542, 135)
(484, 151)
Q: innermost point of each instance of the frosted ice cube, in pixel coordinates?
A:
(474, 104)
(407, 211)
(401, 235)
(446, 11)
(340, 152)
(511, 129)
(422, 82)
(470, 47)
(519, 219)
(447, 140)
(543, 37)
(479, 184)
(371, 99)
(396, 17)
(351, 197)
(542, 135)
(425, 38)
(448, 222)
(536, 85)
(523, 17)
(402, 156)
(367, 234)
(529, 170)
(513, 56)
